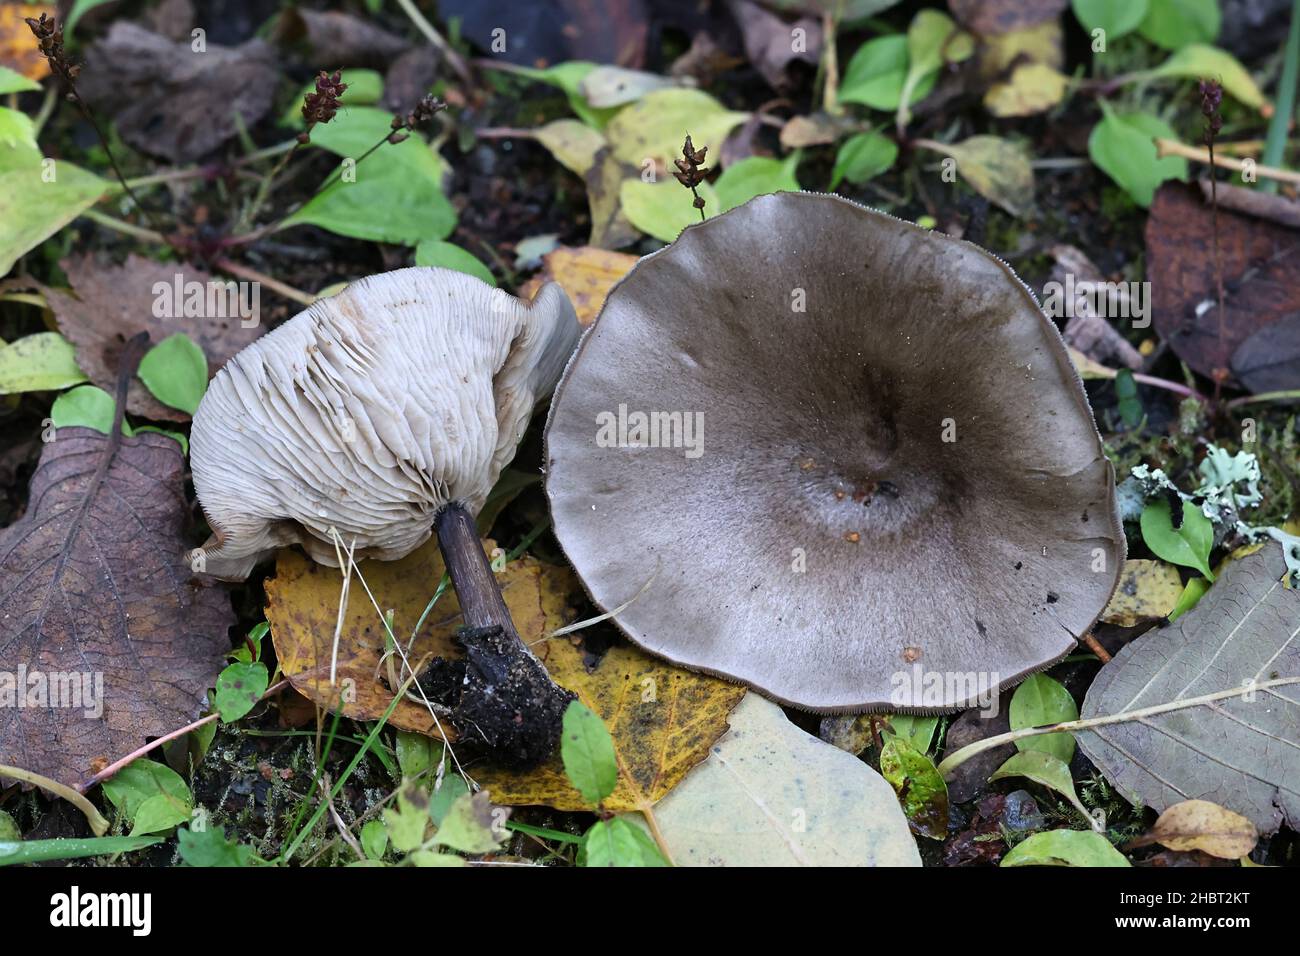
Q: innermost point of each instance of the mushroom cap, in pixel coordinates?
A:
(900, 490)
(370, 411)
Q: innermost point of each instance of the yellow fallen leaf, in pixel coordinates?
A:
(302, 606)
(1205, 826)
(1031, 88)
(1086, 367)
(18, 47)
(663, 720)
(1147, 590)
(585, 273)
(1039, 44)
(574, 144)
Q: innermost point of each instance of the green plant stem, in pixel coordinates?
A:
(98, 825)
(433, 36)
(1284, 108)
(1290, 395)
(960, 756)
(126, 228)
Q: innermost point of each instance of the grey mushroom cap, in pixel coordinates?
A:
(370, 411)
(898, 499)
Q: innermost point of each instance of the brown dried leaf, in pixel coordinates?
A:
(585, 273)
(172, 101)
(663, 720)
(302, 606)
(334, 39)
(1261, 276)
(93, 583)
(109, 304)
(1269, 361)
(1202, 825)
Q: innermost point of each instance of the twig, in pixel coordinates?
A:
(1171, 147)
(1094, 645)
(252, 275)
(433, 36)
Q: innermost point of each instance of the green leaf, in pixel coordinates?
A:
(45, 361)
(471, 825)
(1122, 146)
(161, 813)
(9, 832)
(12, 81)
(409, 820)
(1045, 769)
(918, 732)
(1116, 17)
(863, 157)
(588, 753)
(239, 687)
(568, 77)
(255, 636)
(1178, 23)
(86, 406)
(79, 9)
(1130, 406)
(655, 126)
(416, 753)
(876, 73)
(926, 37)
(1189, 545)
(663, 209)
(176, 372)
(1192, 593)
(17, 852)
(16, 129)
(920, 788)
(446, 255)
(1201, 61)
(755, 176)
(444, 798)
(210, 847)
(38, 198)
(1065, 848)
(365, 87)
(616, 842)
(143, 781)
(1038, 701)
(374, 839)
(397, 193)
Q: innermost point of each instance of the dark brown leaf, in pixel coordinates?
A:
(334, 39)
(113, 303)
(988, 17)
(1261, 276)
(768, 41)
(171, 100)
(94, 584)
(1269, 361)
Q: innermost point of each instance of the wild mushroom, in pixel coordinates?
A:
(382, 415)
(837, 457)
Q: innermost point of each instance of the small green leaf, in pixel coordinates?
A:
(663, 209)
(38, 197)
(444, 798)
(574, 144)
(1188, 545)
(755, 176)
(616, 842)
(916, 731)
(209, 847)
(876, 73)
(239, 687)
(12, 81)
(1192, 593)
(374, 839)
(863, 157)
(588, 753)
(568, 77)
(176, 372)
(927, 35)
(1116, 17)
(45, 361)
(445, 255)
(86, 406)
(255, 635)
(920, 788)
(161, 813)
(79, 9)
(408, 821)
(655, 127)
(1200, 60)
(1039, 701)
(1065, 848)
(1178, 23)
(142, 780)
(416, 753)
(1130, 406)
(1045, 769)
(16, 129)
(472, 825)
(1122, 146)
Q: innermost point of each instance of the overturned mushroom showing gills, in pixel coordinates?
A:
(835, 456)
(381, 415)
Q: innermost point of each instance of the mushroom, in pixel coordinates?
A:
(382, 415)
(837, 457)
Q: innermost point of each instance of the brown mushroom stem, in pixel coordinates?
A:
(501, 694)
